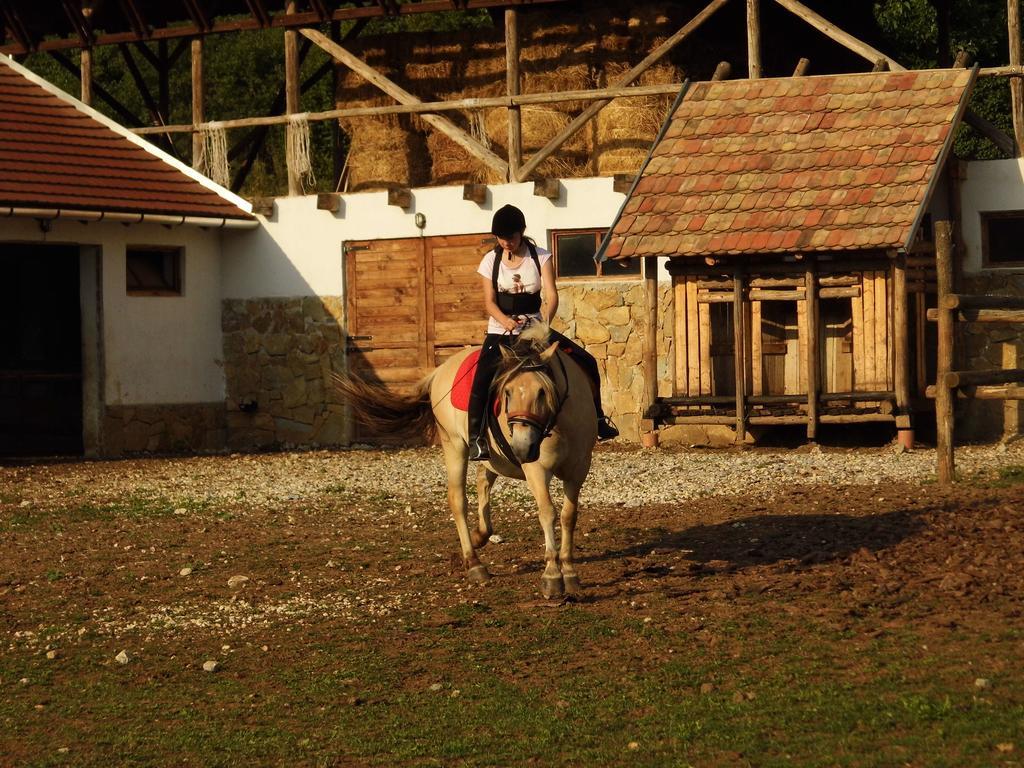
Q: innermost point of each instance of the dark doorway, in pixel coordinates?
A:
(40, 351)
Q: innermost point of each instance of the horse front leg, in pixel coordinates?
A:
(570, 508)
(485, 478)
(539, 481)
(455, 459)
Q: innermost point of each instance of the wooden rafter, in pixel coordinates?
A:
(320, 9)
(17, 29)
(258, 10)
(590, 112)
(394, 90)
(81, 24)
(259, 20)
(127, 116)
(135, 18)
(197, 14)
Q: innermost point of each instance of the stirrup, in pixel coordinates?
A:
(605, 429)
(479, 450)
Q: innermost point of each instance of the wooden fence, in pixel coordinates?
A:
(949, 384)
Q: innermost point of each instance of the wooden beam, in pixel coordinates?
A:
(394, 90)
(85, 76)
(549, 188)
(754, 38)
(953, 379)
(291, 95)
(78, 21)
(943, 395)
(969, 301)
(737, 354)
(512, 82)
(135, 20)
(18, 29)
(257, 9)
(984, 315)
(197, 99)
(441, 106)
(476, 193)
(1016, 84)
(400, 196)
(591, 111)
(328, 201)
(127, 116)
(801, 67)
(143, 88)
(845, 39)
(282, 21)
(650, 346)
(978, 392)
(810, 283)
(901, 354)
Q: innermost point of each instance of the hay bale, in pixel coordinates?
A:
(626, 128)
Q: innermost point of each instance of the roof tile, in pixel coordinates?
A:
(840, 161)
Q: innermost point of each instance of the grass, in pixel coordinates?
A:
(133, 507)
(568, 687)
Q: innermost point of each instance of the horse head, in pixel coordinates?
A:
(529, 399)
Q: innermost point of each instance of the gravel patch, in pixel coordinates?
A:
(622, 476)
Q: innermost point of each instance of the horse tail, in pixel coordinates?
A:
(385, 412)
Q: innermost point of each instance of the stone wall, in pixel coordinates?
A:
(132, 429)
(279, 355)
(609, 320)
(988, 346)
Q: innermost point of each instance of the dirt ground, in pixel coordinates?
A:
(174, 581)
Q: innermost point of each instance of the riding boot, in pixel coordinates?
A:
(479, 449)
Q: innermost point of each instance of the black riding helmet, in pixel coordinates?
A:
(508, 220)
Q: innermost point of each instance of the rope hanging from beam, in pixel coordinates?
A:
(213, 159)
(298, 151)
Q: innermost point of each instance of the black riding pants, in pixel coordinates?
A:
(490, 354)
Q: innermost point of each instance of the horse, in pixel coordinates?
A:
(545, 414)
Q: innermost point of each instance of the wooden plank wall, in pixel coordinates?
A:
(855, 339)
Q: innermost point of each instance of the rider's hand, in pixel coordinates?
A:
(511, 323)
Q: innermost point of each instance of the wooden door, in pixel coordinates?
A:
(411, 303)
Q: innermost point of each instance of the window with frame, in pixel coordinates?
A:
(153, 270)
(1002, 238)
(573, 253)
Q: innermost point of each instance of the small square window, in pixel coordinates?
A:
(574, 250)
(153, 271)
(1002, 238)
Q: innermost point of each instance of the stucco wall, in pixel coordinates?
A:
(149, 353)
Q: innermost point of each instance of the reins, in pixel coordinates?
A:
(529, 418)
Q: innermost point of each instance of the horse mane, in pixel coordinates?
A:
(525, 353)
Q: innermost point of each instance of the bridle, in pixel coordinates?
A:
(528, 418)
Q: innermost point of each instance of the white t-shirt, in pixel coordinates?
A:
(523, 278)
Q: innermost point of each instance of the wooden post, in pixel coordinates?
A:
(801, 67)
(85, 69)
(754, 38)
(901, 353)
(337, 153)
(1016, 84)
(515, 116)
(811, 286)
(944, 363)
(291, 92)
(650, 349)
(737, 340)
(197, 99)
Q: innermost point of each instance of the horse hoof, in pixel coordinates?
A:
(478, 574)
(552, 586)
(572, 585)
(478, 539)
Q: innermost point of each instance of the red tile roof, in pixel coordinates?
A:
(56, 153)
(840, 162)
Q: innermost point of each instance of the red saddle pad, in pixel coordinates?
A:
(464, 381)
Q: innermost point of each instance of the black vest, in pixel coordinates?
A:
(516, 303)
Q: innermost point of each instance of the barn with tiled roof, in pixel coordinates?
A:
(110, 277)
(794, 212)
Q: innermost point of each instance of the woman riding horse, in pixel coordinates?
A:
(515, 276)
